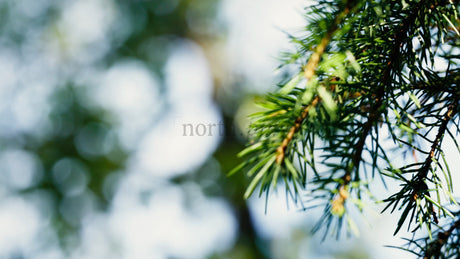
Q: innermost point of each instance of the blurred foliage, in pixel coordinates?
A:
(77, 155)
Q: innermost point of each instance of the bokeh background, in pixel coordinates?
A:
(120, 120)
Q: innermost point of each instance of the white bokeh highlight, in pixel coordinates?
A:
(171, 221)
(132, 92)
(19, 223)
(168, 149)
(82, 30)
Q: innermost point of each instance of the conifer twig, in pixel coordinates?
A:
(374, 114)
(280, 151)
(364, 70)
(434, 248)
(422, 174)
(309, 72)
(442, 129)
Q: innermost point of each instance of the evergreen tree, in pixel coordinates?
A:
(369, 81)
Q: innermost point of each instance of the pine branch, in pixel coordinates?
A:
(360, 68)
(423, 173)
(416, 189)
(445, 84)
(434, 248)
(316, 56)
(436, 143)
(376, 109)
(280, 151)
(309, 72)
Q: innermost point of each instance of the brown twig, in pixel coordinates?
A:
(309, 72)
(442, 130)
(423, 173)
(375, 113)
(298, 122)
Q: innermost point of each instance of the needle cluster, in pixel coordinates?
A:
(373, 79)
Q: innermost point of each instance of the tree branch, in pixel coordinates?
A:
(420, 184)
(309, 72)
(441, 85)
(442, 129)
(375, 112)
(434, 248)
(298, 122)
